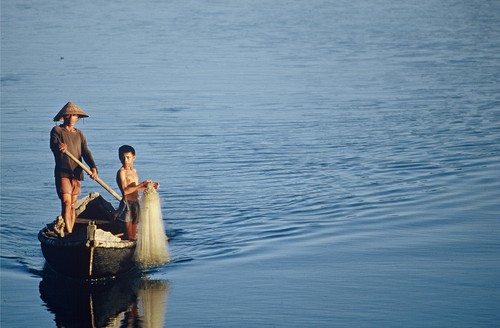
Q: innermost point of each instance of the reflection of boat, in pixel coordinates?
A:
(116, 302)
(92, 250)
(79, 303)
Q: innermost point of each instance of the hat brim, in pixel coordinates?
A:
(70, 109)
(61, 117)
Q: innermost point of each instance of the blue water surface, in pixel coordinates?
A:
(322, 163)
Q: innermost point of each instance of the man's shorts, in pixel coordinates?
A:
(66, 185)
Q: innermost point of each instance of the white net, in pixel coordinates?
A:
(152, 247)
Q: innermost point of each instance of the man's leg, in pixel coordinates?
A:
(66, 204)
(73, 210)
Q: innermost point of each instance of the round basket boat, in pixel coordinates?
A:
(94, 249)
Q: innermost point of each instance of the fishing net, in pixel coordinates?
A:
(152, 247)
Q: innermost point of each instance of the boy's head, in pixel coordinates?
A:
(125, 149)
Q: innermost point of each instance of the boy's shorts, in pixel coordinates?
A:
(128, 211)
(66, 185)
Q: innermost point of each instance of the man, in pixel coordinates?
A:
(68, 173)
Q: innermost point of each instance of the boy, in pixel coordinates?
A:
(67, 172)
(128, 182)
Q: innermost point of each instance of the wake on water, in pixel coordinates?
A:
(152, 247)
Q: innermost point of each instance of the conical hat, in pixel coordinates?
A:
(70, 108)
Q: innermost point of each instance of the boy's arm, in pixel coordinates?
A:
(121, 179)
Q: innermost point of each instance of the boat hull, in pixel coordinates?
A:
(88, 262)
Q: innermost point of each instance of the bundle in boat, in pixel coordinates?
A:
(152, 247)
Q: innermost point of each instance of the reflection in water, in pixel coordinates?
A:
(128, 301)
(153, 303)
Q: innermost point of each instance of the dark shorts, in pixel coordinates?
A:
(66, 185)
(128, 211)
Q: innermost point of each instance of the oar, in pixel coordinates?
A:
(86, 169)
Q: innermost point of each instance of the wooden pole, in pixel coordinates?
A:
(86, 169)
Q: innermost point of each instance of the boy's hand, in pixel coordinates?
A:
(156, 185)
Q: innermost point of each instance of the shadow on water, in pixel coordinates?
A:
(128, 301)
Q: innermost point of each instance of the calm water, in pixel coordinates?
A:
(323, 163)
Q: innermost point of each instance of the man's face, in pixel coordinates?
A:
(71, 119)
